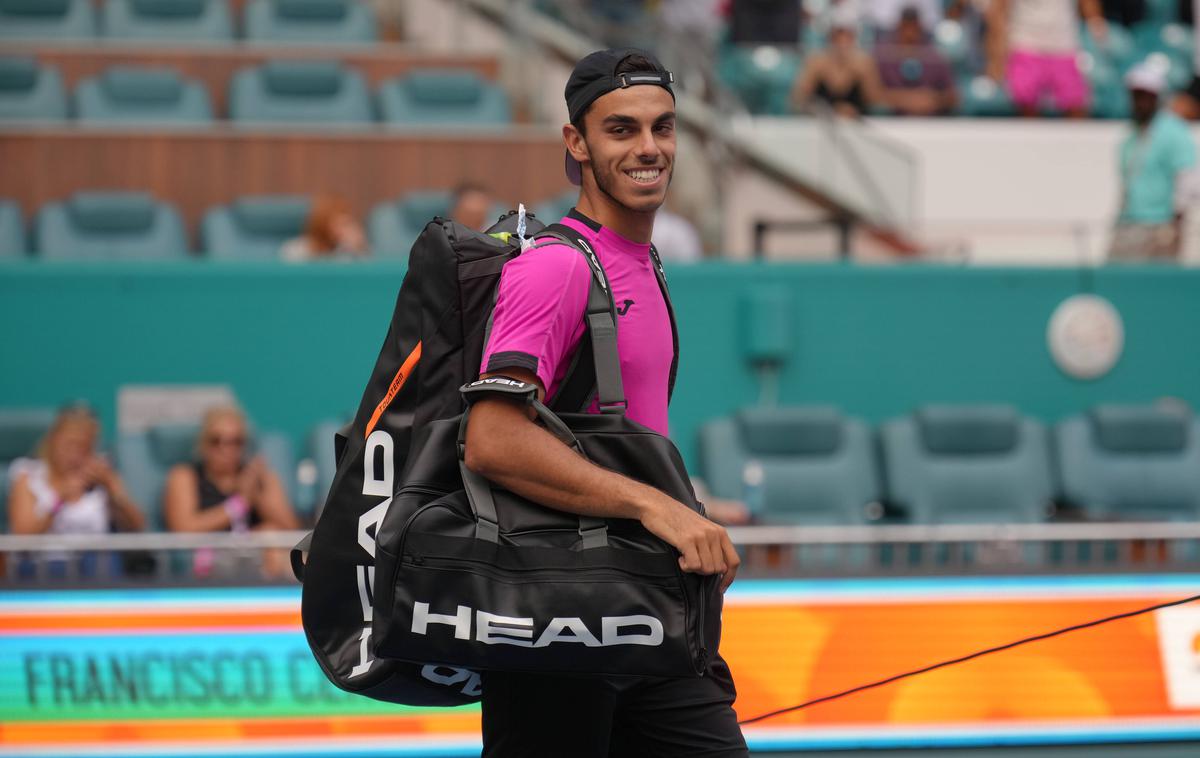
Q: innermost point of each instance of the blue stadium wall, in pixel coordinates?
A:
(297, 343)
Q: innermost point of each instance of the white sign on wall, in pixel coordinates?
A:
(1086, 336)
(142, 406)
(1179, 644)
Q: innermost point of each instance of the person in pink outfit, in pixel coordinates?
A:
(1033, 45)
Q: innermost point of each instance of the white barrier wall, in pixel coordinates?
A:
(1016, 191)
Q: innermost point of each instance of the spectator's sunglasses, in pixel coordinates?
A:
(216, 440)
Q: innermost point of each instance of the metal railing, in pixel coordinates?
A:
(170, 558)
(970, 548)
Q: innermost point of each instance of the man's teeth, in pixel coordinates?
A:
(644, 174)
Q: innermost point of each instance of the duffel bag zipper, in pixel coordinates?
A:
(484, 568)
(696, 641)
(422, 489)
(410, 489)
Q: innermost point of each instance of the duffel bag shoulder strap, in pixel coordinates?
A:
(662, 285)
(592, 531)
(596, 366)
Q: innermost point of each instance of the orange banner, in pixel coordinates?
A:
(787, 642)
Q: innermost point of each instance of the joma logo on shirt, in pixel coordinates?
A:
(624, 307)
(493, 629)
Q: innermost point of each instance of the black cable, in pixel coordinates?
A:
(966, 658)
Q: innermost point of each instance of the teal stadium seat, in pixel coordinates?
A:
(254, 227)
(21, 429)
(444, 98)
(316, 22)
(299, 93)
(968, 464)
(110, 226)
(1161, 11)
(131, 95)
(60, 20)
(199, 21)
(1168, 46)
(1131, 463)
(954, 43)
(145, 457)
(1119, 49)
(29, 92)
(762, 76)
(394, 226)
(322, 449)
(983, 97)
(1177, 41)
(12, 231)
(1110, 98)
(818, 466)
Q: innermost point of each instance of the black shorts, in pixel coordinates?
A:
(541, 716)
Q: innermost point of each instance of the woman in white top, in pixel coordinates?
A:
(68, 488)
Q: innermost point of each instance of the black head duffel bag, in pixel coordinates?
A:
(482, 578)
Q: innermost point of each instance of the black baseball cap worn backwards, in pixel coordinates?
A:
(595, 76)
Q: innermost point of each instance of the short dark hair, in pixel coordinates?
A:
(629, 64)
(466, 188)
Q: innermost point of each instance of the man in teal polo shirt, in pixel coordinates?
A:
(1157, 165)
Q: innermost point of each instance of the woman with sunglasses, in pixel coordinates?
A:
(225, 490)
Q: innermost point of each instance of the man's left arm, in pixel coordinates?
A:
(1187, 185)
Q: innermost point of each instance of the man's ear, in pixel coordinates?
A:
(576, 144)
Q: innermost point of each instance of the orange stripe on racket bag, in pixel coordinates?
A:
(398, 381)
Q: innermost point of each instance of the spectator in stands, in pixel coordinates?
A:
(1158, 173)
(727, 512)
(1034, 44)
(886, 15)
(675, 238)
(226, 490)
(471, 205)
(690, 32)
(1187, 102)
(917, 79)
(842, 76)
(332, 231)
(69, 489)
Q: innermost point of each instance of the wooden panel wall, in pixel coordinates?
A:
(215, 66)
(201, 168)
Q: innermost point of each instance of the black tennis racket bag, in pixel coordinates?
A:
(433, 345)
(474, 576)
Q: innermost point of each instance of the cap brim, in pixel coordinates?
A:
(574, 170)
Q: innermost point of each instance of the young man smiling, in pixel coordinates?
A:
(620, 150)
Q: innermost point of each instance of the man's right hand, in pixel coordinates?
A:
(704, 546)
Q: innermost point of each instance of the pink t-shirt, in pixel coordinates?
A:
(538, 319)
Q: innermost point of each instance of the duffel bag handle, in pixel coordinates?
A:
(592, 531)
(297, 556)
